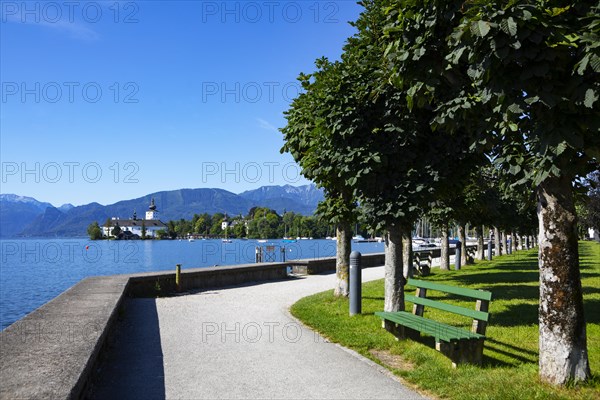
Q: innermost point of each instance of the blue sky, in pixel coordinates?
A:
(104, 101)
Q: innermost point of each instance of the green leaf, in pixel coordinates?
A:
(561, 148)
(480, 28)
(509, 26)
(595, 63)
(581, 66)
(590, 98)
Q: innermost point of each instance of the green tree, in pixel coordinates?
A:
(116, 230)
(171, 229)
(143, 230)
(94, 231)
(202, 224)
(538, 66)
(308, 137)
(520, 78)
(395, 162)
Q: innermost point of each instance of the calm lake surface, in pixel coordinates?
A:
(34, 271)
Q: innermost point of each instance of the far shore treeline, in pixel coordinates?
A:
(259, 223)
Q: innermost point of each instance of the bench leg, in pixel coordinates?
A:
(462, 351)
(399, 331)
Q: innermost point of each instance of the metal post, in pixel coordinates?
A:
(282, 253)
(489, 250)
(457, 255)
(355, 283)
(178, 277)
(258, 254)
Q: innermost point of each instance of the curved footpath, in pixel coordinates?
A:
(236, 343)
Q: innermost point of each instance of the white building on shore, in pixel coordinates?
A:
(130, 228)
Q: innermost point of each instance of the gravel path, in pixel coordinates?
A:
(237, 343)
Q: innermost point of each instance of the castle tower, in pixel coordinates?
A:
(152, 212)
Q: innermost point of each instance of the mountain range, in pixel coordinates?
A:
(22, 216)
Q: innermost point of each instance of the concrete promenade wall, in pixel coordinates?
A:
(52, 352)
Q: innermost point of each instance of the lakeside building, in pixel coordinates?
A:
(132, 228)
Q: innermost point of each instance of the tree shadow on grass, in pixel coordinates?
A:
(497, 277)
(527, 314)
(516, 315)
(512, 355)
(512, 292)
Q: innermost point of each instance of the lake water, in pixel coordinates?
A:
(34, 271)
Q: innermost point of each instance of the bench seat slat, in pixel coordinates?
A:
(475, 294)
(467, 312)
(436, 329)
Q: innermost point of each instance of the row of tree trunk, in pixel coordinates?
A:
(562, 340)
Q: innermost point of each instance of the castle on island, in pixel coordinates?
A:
(132, 228)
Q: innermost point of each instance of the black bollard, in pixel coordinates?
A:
(282, 253)
(489, 250)
(355, 283)
(457, 255)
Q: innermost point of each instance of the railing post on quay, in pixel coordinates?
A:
(258, 254)
(178, 277)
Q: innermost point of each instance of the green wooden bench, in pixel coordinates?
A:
(460, 345)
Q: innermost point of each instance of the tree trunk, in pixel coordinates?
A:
(513, 241)
(445, 251)
(562, 342)
(407, 254)
(480, 243)
(342, 262)
(462, 236)
(394, 280)
(497, 242)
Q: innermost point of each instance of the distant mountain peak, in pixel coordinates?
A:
(15, 198)
(66, 207)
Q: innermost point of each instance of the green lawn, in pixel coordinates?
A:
(509, 368)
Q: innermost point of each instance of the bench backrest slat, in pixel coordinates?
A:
(467, 312)
(472, 293)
